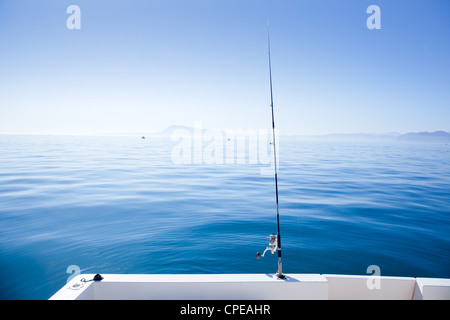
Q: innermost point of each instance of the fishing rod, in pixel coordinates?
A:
(275, 240)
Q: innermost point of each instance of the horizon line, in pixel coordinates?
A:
(143, 133)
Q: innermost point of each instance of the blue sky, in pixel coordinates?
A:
(140, 66)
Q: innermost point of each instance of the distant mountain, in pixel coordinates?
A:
(424, 137)
(427, 137)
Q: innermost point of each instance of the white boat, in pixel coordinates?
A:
(252, 287)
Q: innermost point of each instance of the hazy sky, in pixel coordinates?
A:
(140, 66)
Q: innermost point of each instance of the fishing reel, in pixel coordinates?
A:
(273, 244)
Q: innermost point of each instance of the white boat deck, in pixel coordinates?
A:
(252, 287)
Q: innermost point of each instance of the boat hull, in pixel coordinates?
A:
(252, 287)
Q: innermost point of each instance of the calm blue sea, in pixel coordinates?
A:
(121, 205)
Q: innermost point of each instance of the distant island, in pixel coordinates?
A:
(427, 137)
(410, 137)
